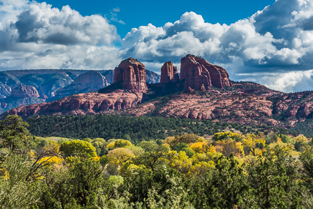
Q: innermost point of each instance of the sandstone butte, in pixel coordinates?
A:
(169, 73)
(131, 74)
(199, 73)
(243, 102)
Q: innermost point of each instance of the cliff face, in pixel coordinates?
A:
(219, 76)
(81, 104)
(132, 75)
(198, 73)
(194, 73)
(169, 73)
(24, 91)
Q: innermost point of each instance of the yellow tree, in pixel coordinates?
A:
(181, 162)
(119, 156)
(229, 146)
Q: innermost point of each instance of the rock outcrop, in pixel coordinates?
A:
(131, 74)
(84, 83)
(169, 73)
(197, 72)
(4, 91)
(24, 91)
(81, 104)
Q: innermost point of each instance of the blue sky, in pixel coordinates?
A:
(269, 42)
(142, 12)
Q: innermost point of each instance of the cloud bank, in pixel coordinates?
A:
(273, 47)
(40, 36)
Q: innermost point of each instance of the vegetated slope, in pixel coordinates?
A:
(244, 103)
(138, 128)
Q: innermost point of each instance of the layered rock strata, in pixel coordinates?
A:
(81, 104)
(132, 75)
(199, 73)
(24, 91)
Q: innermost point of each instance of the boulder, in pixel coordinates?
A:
(131, 74)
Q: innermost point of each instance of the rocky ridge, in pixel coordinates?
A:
(24, 91)
(82, 104)
(84, 83)
(237, 104)
(53, 84)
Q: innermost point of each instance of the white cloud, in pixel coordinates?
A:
(9, 10)
(117, 9)
(113, 16)
(284, 81)
(43, 24)
(39, 36)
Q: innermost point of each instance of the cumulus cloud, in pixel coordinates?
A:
(41, 23)
(39, 36)
(10, 9)
(283, 81)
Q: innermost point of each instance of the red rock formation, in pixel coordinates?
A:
(219, 76)
(132, 75)
(197, 72)
(81, 104)
(24, 91)
(169, 73)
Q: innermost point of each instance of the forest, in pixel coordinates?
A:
(138, 128)
(226, 170)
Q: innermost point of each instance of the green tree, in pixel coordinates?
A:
(223, 187)
(15, 192)
(78, 147)
(152, 157)
(77, 187)
(275, 179)
(14, 133)
(307, 168)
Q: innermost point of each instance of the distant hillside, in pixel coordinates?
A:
(51, 84)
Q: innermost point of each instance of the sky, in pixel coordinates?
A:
(265, 41)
